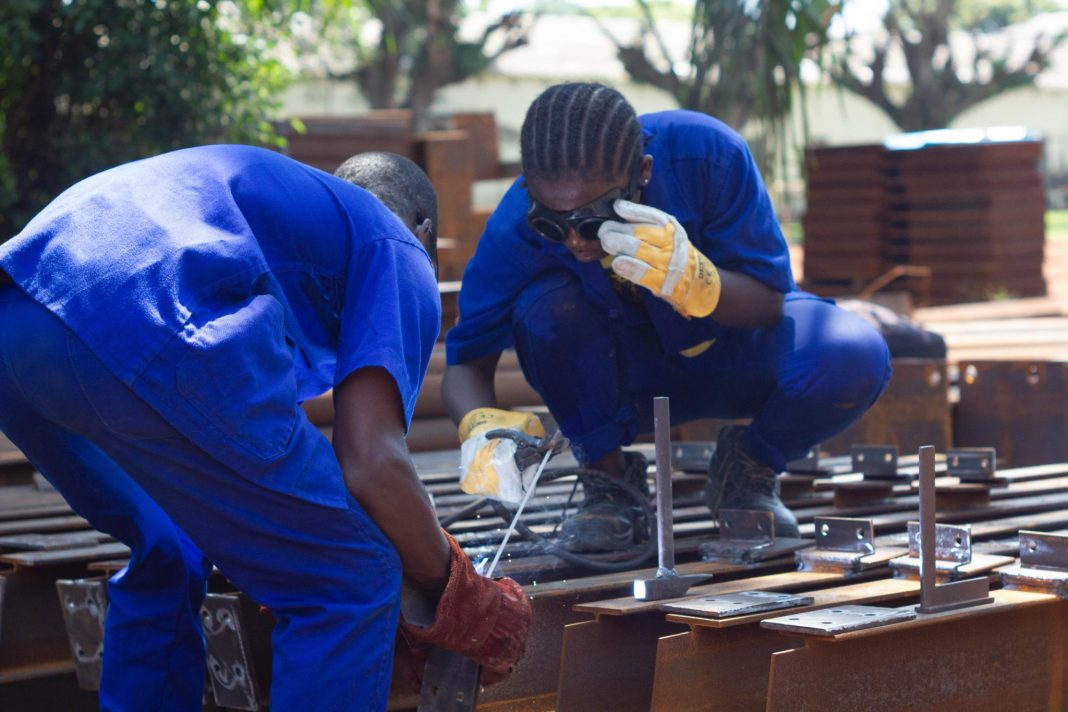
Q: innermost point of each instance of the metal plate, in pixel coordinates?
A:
(845, 534)
(841, 619)
(49, 542)
(953, 542)
(737, 604)
(807, 464)
(450, 682)
(692, 457)
(233, 680)
(1039, 550)
(85, 604)
(747, 526)
(875, 460)
(973, 464)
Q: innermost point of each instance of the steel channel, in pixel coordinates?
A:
(928, 571)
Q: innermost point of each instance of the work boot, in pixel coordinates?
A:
(607, 519)
(737, 481)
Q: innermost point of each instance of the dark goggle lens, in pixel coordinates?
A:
(549, 229)
(587, 229)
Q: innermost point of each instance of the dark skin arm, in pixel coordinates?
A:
(369, 443)
(746, 303)
(469, 385)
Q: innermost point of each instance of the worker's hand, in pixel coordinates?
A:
(485, 619)
(651, 249)
(487, 465)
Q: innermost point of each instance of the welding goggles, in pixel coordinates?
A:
(586, 220)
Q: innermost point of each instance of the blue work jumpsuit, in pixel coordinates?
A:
(167, 319)
(598, 350)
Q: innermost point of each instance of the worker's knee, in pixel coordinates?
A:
(854, 363)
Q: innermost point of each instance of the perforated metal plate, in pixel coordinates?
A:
(737, 604)
(85, 604)
(875, 460)
(233, 679)
(973, 464)
(692, 457)
(953, 542)
(1039, 550)
(810, 463)
(845, 534)
(841, 619)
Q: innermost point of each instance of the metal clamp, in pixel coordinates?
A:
(844, 546)
(877, 461)
(972, 464)
(1043, 565)
(747, 536)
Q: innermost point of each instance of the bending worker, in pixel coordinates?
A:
(640, 257)
(160, 324)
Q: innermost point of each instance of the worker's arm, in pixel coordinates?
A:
(369, 442)
(652, 250)
(466, 386)
(746, 303)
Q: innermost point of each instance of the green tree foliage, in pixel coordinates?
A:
(88, 84)
(419, 50)
(743, 60)
(945, 77)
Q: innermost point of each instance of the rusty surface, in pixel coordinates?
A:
(1017, 407)
(987, 659)
(33, 640)
(610, 663)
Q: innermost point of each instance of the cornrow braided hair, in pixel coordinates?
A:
(581, 128)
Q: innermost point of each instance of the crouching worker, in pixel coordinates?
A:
(160, 325)
(640, 257)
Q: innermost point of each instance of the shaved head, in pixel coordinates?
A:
(402, 186)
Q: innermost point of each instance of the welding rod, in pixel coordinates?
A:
(664, 531)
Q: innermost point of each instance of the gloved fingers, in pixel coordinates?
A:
(488, 467)
(618, 238)
(639, 272)
(638, 213)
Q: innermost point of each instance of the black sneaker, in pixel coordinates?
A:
(607, 519)
(737, 481)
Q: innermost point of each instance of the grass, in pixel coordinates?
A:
(1057, 225)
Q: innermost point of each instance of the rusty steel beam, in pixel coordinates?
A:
(1011, 654)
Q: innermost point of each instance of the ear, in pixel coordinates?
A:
(423, 231)
(647, 169)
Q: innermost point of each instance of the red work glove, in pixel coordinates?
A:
(485, 619)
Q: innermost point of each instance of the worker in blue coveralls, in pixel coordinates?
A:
(640, 257)
(160, 325)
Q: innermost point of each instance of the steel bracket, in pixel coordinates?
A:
(744, 603)
(747, 536)
(233, 678)
(935, 597)
(844, 545)
(85, 604)
(972, 464)
(953, 550)
(809, 464)
(842, 619)
(692, 456)
(876, 461)
(1043, 565)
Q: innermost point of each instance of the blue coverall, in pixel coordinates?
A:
(167, 319)
(598, 351)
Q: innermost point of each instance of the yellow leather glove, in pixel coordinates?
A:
(488, 466)
(651, 249)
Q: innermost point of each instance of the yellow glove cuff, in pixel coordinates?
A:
(482, 419)
(697, 293)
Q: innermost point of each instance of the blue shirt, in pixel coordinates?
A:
(703, 174)
(225, 284)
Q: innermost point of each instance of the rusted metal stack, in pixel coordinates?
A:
(972, 212)
(845, 222)
(968, 208)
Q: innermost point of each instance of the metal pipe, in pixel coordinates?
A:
(664, 531)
